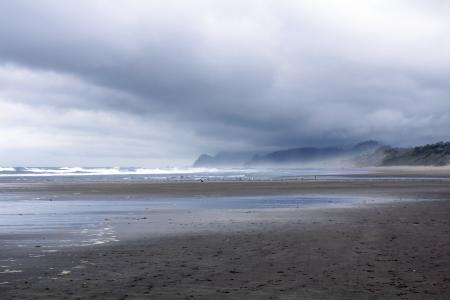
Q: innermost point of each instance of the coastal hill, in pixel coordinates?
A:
(293, 156)
(311, 155)
(223, 159)
(429, 155)
(369, 153)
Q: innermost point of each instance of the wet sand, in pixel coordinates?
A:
(404, 187)
(397, 250)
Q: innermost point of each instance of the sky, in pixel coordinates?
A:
(156, 83)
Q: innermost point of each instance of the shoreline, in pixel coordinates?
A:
(416, 188)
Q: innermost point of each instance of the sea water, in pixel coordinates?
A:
(36, 174)
(25, 223)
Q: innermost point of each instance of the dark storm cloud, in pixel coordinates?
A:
(160, 62)
(258, 74)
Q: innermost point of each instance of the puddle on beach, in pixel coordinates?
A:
(46, 226)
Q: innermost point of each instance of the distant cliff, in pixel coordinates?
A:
(223, 159)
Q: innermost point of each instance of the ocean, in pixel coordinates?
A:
(33, 174)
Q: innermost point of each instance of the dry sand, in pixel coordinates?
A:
(398, 250)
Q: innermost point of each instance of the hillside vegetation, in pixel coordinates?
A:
(429, 155)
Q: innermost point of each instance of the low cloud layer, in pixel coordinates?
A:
(157, 83)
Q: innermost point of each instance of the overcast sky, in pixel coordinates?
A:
(155, 83)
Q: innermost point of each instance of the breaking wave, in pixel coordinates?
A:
(74, 171)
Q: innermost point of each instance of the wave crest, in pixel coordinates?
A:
(74, 171)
